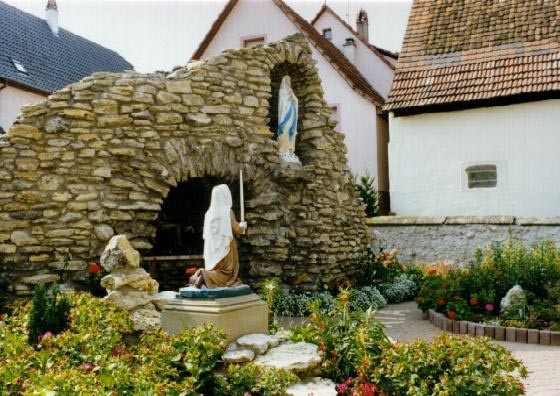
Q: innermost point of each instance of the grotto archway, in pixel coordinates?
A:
(101, 156)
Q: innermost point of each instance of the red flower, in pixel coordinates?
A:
(190, 271)
(441, 301)
(432, 271)
(452, 315)
(93, 268)
(473, 301)
(420, 299)
(368, 389)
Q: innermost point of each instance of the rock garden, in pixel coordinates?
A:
(74, 342)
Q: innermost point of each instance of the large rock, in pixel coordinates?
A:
(259, 343)
(514, 300)
(119, 253)
(130, 299)
(299, 357)
(144, 319)
(137, 279)
(238, 356)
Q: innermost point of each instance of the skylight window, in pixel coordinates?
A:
(19, 66)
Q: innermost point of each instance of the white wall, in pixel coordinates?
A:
(357, 115)
(11, 100)
(375, 70)
(428, 153)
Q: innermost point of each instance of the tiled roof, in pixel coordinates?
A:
(386, 56)
(473, 52)
(324, 46)
(51, 62)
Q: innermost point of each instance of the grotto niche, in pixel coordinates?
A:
(112, 153)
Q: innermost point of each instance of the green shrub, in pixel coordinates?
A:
(255, 380)
(402, 288)
(367, 297)
(6, 278)
(481, 286)
(368, 194)
(449, 365)
(351, 341)
(49, 312)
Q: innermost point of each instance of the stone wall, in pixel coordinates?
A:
(454, 239)
(99, 157)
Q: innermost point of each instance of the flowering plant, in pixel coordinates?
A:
(93, 281)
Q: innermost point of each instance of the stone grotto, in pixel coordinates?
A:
(137, 154)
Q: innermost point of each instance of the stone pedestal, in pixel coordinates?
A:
(236, 316)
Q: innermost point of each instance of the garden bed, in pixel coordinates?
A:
(498, 333)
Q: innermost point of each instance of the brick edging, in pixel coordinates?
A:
(498, 333)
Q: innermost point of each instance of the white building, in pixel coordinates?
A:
(474, 122)
(355, 87)
(38, 58)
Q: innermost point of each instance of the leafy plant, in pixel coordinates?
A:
(481, 286)
(351, 341)
(6, 278)
(402, 288)
(368, 194)
(449, 365)
(367, 297)
(253, 379)
(49, 312)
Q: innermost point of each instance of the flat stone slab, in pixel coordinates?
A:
(313, 386)
(238, 356)
(260, 343)
(299, 357)
(217, 292)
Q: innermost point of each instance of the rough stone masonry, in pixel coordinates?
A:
(99, 157)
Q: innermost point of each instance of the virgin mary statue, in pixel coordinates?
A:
(287, 121)
(221, 262)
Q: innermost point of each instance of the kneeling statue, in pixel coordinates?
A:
(221, 262)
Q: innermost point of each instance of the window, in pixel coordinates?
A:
(327, 33)
(482, 176)
(19, 66)
(253, 41)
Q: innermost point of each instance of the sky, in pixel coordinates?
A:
(160, 34)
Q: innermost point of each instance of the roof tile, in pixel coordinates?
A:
(489, 48)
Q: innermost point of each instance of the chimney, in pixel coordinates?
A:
(51, 15)
(362, 25)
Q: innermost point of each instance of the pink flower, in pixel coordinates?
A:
(118, 351)
(489, 307)
(45, 336)
(87, 366)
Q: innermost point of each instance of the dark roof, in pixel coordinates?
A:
(386, 56)
(51, 62)
(324, 46)
(477, 52)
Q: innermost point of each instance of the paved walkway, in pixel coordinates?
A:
(404, 322)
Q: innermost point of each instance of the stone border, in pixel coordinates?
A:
(498, 333)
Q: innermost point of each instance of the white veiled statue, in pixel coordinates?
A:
(221, 262)
(287, 121)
